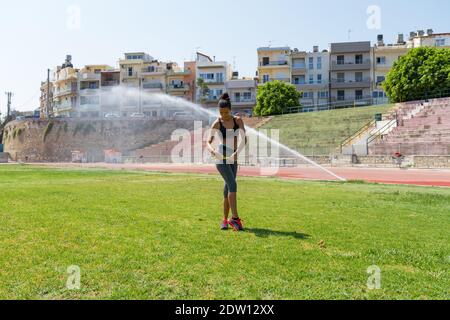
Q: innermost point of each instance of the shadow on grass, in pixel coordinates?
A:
(265, 233)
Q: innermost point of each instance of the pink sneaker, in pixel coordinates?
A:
(224, 225)
(236, 224)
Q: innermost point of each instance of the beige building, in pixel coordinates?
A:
(65, 89)
(274, 64)
(428, 39)
(90, 93)
(383, 58)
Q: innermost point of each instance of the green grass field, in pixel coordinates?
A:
(320, 133)
(138, 235)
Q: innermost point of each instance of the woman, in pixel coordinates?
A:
(228, 128)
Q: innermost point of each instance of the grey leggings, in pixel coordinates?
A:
(229, 174)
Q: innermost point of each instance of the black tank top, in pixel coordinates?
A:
(224, 130)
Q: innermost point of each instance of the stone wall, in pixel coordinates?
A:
(3, 157)
(432, 161)
(53, 141)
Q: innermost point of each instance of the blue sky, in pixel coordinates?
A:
(36, 35)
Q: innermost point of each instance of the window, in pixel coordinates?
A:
(359, 59)
(322, 95)
(341, 77)
(358, 76)
(219, 77)
(381, 60)
(380, 79)
(319, 78)
(299, 63)
(379, 94)
(247, 96)
(265, 61)
(440, 42)
(358, 94)
(311, 79)
(130, 71)
(302, 79)
(341, 95)
(311, 63)
(340, 59)
(319, 63)
(307, 95)
(207, 76)
(265, 78)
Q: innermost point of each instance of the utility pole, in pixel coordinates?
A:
(47, 102)
(9, 96)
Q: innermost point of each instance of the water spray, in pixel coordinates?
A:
(176, 102)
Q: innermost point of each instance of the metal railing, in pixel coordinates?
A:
(274, 63)
(380, 132)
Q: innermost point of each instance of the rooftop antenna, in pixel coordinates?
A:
(350, 33)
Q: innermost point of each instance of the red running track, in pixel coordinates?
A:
(422, 177)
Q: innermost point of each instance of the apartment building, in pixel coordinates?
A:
(190, 78)
(310, 75)
(428, 39)
(214, 74)
(65, 88)
(383, 58)
(242, 94)
(179, 83)
(274, 64)
(46, 92)
(89, 102)
(109, 81)
(350, 72)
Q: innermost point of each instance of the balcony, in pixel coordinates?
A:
(152, 71)
(298, 69)
(64, 92)
(243, 101)
(172, 73)
(349, 84)
(90, 76)
(311, 85)
(276, 79)
(152, 85)
(349, 66)
(274, 63)
(215, 82)
(88, 91)
(178, 87)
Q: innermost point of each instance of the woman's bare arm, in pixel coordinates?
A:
(214, 129)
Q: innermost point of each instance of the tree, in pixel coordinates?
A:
(276, 97)
(423, 73)
(204, 90)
